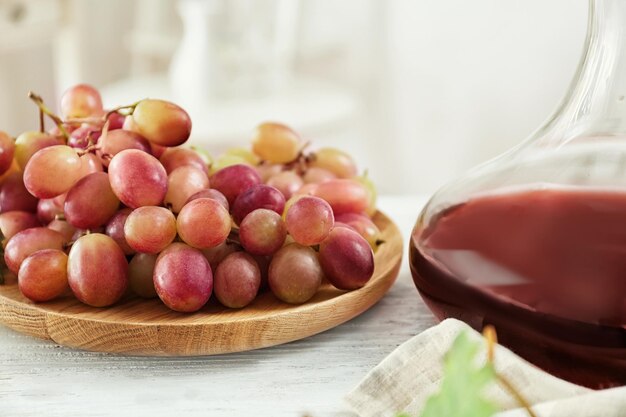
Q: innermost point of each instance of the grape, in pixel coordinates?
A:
(118, 140)
(48, 209)
(264, 265)
(306, 189)
(90, 163)
(287, 182)
(309, 220)
(91, 202)
(276, 143)
(372, 195)
(267, 171)
(7, 150)
(28, 143)
(162, 122)
(237, 280)
(173, 158)
(338, 162)
(29, 241)
(13, 222)
(157, 150)
(315, 175)
(52, 171)
(84, 136)
(182, 183)
(183, 278)
(137, 178)
(262, 232)
(116, 121)
(363, 225)
(97, 270)
(216, 254)
(81, 100)
(140, 273)
(295, 274)
(43, 275)
(346, 258)
(115, 229)
(15, 196)
(212, 194)
(150, 229)
(234, 180)
(255, 197)
(203, 223)
(344, 195)
(63, 227)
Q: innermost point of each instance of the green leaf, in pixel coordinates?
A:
(461, 393)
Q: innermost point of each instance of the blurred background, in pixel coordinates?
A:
(417, 90)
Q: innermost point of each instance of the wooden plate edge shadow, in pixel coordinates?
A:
(171, 338)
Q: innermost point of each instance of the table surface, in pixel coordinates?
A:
(307, 377)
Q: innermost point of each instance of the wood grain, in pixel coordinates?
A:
(147, 327)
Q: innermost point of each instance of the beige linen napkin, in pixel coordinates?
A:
(411, 373)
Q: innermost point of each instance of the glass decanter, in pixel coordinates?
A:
(534, 241)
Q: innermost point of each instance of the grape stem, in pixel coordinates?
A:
(44, 109)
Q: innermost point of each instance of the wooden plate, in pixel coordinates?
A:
(146, 327)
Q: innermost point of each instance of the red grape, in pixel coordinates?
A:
(115, 229)
(90, 164)
(346, 258)
(140, 273)
(62, 226)
(216, 254)
(276, 143)
(52, 171)
(287, 182)
(363, 225)
(183, 278)
(344, 195)
(97, 270)
(43, 275)
(162, 122)
(262, 232)
(211, 193)
(116, 141)
(116, 121)
(234, 180)
(309, 220)
(203, 223)
(48, 209)
(237, 280)
(13, 222)
(150, 229)
(29, 241)
(15, 196)
(255, 197)
(315, 175)
(91, 202)
(137, 178)
(81, 100)
(295, 274)
(182, 183)
(7, 150)
(173, 158)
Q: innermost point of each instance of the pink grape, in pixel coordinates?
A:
(63, 227)
(173, 158)
(115, 229)
(203, 223)
(7, 150)
(29, 241)
(316, 175)
(81, 100)
(309, 220)
(338, 162)
(346, 258)
(43, 275)
(234, 180)
(116, 141)
(255, 197)
(52, 171)
(150, 229)
(262, 232)
(84, 136)
(137, 178)
(183, 278)
(237, 280)
(287, 182)
(13, 222)
(162, 122)
(212, 194)
(97, 270)
(363, 225)
(182, 183)
(28, 143)
(91, 202)
(48, 209)
(116, 121)
(344, 195)
(157, 150)
(90, 164)
(140, 273)
(267, 171)
(216, 254)
(295, 274)
(306, 189)
(15, 196)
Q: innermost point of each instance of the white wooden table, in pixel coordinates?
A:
(307, 377)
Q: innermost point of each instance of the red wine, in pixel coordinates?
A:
(547, 267)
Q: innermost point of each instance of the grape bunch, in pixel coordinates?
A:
(108, 202)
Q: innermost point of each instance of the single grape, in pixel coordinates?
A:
(43, 275)
(372, 194)
(116, 121)
(203, 223)
(287, 182)
(346, 258)
(212, 194)
(116, 141)
(363, 225)
(7, 151)
(63, 227)
(237, 280)
(48, 209)
(13, 222)
(90, 164)
(338, 162)
(255, 197)
(150, 229)
(52, 171)
(262, 232)
(140, 273)
(81, 100)
(28, 143)
(137, 178)
(315, 175)
(183, 278)
(344, 195)
(162, 122)
(84, 136)
(97, 270)
(306, 189)
(309, 220)
(173, 158)
(276, 143)
(267, 171)
(182, 183)
(295, 274)
(216, 254)
(234, 180)
(91, 202)
(29, 241)
(115, 229)
(15, 196)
